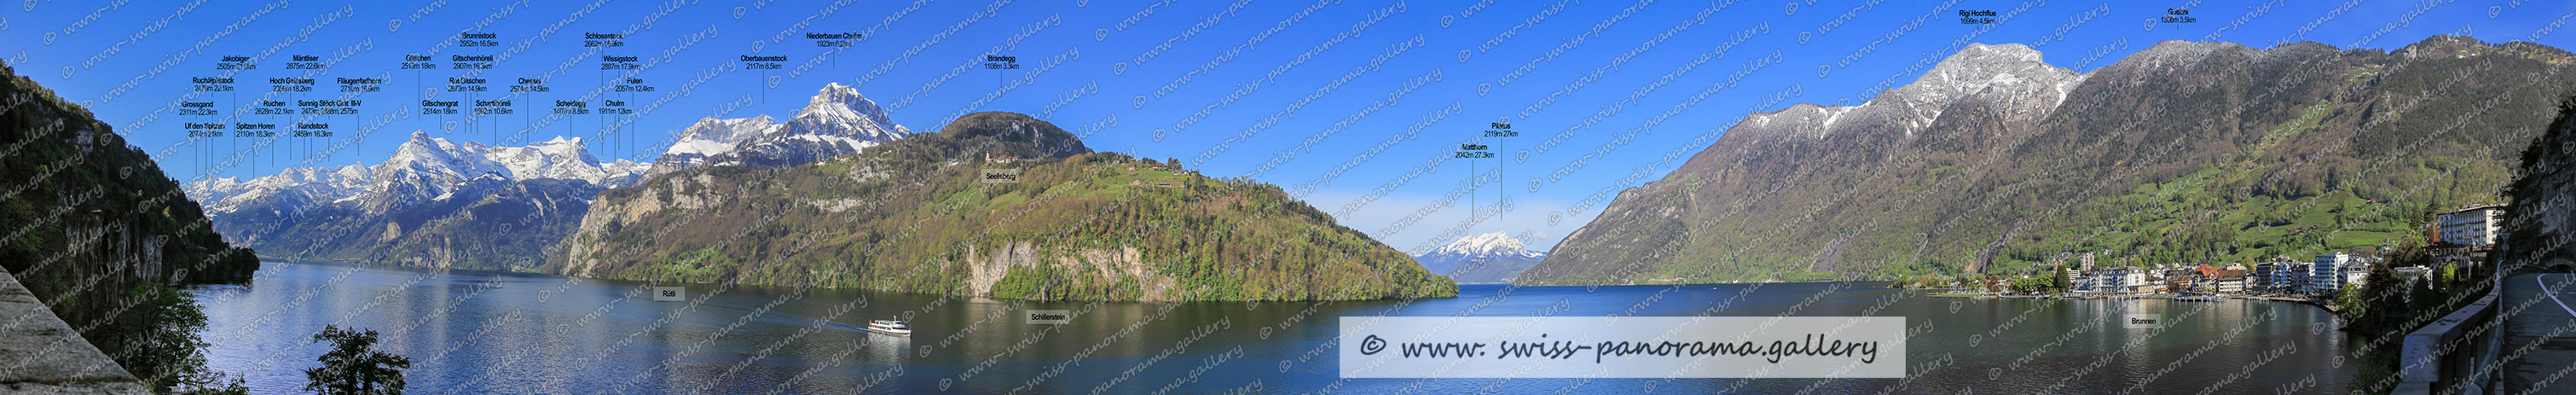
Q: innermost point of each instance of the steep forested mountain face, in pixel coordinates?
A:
(97, 231)
(930, 213)
(1993, 162)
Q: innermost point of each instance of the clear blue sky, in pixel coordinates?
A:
(1352, 78)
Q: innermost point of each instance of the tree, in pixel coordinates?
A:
(2450, 276)
(161, 345)
(2383, 300)
(2341, 211)
(354, 366)
(2058, 280)
(2432, 210)
(2031, 285)
(2426, 302)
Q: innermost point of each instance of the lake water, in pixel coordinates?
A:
(510, 333)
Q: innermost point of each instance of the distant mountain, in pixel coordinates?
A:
(917, 215)
(1486, 258)
(835, 122)
(1993, 162)
(423, 168)
(708, 138)
(440, 203)
(376, 213)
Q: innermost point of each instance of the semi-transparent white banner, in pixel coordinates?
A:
(1622, 347)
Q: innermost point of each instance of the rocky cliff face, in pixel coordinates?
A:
(581, 251)
(2539, 226)
(98, 235)
(987, 269)
(2183, 152)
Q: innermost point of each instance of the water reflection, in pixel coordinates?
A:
(506, 333)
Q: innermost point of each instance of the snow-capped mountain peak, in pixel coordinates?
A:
(436, 155)
(844, 105)
(1489, 244)
(712, 136)
(307, 183)
(836, 121)
(2013, 76)
(561, 158)
(838, 110)
(2011, 79)
(1486, 258)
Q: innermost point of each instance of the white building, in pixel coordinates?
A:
(2117, 280)
(2356, 273)
(2232, 282)
(2474, 227)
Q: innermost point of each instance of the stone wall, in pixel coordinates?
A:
(39, 354)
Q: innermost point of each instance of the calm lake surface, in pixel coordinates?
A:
(509, 333)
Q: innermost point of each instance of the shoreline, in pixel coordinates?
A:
(2171, 297)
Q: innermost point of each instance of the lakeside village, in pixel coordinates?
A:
(2461, 240)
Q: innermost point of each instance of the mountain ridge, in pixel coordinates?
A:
(916, 215)
(2180, 153)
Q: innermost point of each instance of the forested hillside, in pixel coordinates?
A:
(916, 215)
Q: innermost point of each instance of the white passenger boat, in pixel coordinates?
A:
(890, 327)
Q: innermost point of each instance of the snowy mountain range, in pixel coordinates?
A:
(397, 210)
(1486, 258)
(422, 169)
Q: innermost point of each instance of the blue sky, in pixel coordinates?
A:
(1360, 105)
